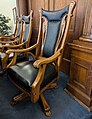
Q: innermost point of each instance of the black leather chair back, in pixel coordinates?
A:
(19, 26)
(54, 19)
(27, 27)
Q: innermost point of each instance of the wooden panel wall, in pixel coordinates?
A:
(87, 30)
(79, 24)
(22, 7)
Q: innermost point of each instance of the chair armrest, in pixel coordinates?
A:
(43, 61)
(21, 50)
(15, 51)
(14, 46)
(8, 38)
(10, 42)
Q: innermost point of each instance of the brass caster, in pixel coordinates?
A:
(48, 113)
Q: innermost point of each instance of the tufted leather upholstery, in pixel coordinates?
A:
(24, 74)
(54, 19)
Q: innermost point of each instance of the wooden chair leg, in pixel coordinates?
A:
(53, 85)
(18, 98)
(45, 105)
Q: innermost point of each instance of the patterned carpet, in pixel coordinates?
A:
(62, 105)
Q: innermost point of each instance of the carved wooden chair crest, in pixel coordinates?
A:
(34, 77)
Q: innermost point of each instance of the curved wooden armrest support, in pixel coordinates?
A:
(15, 51)
(36, 84)
(43, 61)
(37, 80)
(15, 46)
(8, 38)
(21, 50)
(10, 42)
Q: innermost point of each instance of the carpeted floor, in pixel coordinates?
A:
(62, 105)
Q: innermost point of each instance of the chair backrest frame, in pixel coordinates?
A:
(18, 26)
(65, 23)
(27, 28)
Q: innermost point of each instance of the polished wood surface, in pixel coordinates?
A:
(80, 84)
(87, 30)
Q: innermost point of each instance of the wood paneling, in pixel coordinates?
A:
(29, 5)
(87, 30)
(80, 84)
(22, 7)
(36, 6)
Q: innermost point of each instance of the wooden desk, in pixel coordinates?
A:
(80, 85)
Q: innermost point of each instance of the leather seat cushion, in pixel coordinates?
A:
(21, 57)
(24, 74)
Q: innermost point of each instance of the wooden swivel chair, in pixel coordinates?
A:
(34, 77)
(12, 37)
(15, 31)
(6, 41)
(25, 41)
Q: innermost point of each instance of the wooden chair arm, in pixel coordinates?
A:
(8, 38)
(36, 84)
(39, 76)
(10, 42)
(21, 50)
(14, 46)
(15, 51)
(44, 61)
